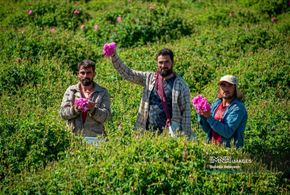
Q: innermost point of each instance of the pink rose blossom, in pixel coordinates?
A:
(29, 12)
(76, 12)
(119, 19)
(96, 27)
(274, 19)
(201, 104)
(52, 29)
(109, 49)
(82, 103)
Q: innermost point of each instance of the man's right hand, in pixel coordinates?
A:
(77, 108)
(109, 49)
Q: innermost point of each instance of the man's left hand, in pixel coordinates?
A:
(91, 105)
(205, 114)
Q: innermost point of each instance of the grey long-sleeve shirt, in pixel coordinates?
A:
(94, 123)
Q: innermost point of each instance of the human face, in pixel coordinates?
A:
(86, 75)
(165, 65)
(227, 90)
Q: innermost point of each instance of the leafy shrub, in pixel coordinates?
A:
(222, 17)
(198, 74)
(149, 164)
(267, 133)
(267, 6)
(218, 15)
(138, 27)
(266, 75)
(50, 14)
(14, 78)
(35, 44)
(30, 145)
(246, 17)
(258, 38)
(283, 25)
(40, 53)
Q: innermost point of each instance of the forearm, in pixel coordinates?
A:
(221, 128)
(100, 114)
(137, 77)
(68, 112)
(229, 124)
(203, 123)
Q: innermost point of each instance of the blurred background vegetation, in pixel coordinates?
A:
(41, 44)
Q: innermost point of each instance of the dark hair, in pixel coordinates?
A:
(165, 52)
(87, 64)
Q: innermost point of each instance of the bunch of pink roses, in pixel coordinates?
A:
(76, 12)
(82, 103)
(29, 12)
(109, 49)
(201, 104)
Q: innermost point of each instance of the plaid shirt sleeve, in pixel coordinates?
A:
(134, 76)
(67, 110)
(181, 107)
(102, 111)
(186, 115)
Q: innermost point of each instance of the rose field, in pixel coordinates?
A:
(42, 42)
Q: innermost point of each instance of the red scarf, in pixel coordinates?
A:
(84, 116)
(218, 115)
(160, 91)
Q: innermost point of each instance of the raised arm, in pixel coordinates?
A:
(131, 75)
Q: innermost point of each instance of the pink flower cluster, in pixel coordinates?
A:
(109, 49)
(200, 103)
(82, 103)
(119, 19)
(274, 19)
(29, 12)
(76, 12)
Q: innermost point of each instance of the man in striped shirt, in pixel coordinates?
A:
(166, 98)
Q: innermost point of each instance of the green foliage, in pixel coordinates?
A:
(50, 14)
(32, 45)
(268, 132)
(39, 53)
(268, 7)
(267, 73)
(30, 145)
(146, 164)
(155, 25)
(13, 79)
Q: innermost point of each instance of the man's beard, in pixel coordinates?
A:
(165, 72)
(86, 82)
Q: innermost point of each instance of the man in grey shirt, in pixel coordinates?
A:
(88, 122)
